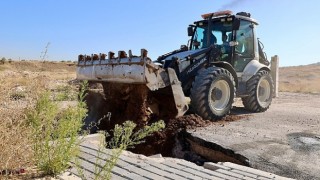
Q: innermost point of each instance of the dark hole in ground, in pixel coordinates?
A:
(173, 141)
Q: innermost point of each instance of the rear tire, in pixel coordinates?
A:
(260, 89)
(212, 93)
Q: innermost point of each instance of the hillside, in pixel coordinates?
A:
(304, 79)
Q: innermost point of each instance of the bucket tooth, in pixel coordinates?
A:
(111, 55)
(144, 53)
(103, 56)
(95, 57)
(81, 57)
(130, 53)
(88, 58)
(122, 54)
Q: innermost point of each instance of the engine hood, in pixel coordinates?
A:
(183, 54)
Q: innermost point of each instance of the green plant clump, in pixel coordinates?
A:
(123, 137)
(55, 132)
(65, 93)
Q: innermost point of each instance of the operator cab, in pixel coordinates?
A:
(233, 34)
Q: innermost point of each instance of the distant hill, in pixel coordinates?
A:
(38, 66)
(317, 64)
(304, 78)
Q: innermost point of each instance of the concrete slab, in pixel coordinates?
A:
(135, 166)
(285, 140)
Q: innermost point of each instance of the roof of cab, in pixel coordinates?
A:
(229, 14)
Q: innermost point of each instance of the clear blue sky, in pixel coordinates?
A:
(288, 28)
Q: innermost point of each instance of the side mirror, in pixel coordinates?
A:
(236, 24)
(190, 31)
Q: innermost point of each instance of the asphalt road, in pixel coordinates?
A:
(285, 140)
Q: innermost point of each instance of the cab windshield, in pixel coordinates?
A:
(221, 34)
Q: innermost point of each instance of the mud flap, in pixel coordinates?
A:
(178, 95)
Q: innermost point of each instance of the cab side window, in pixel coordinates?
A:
(244, 37)
(245, 48)
(198, 39)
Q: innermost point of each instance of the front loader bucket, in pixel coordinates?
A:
(130, 74)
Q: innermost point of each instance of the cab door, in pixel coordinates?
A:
(245, 50)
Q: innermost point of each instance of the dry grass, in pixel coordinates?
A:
(302, 79)
(14, 144)
(20, 83)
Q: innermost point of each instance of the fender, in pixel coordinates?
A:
(251, 69)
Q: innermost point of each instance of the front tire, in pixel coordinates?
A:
(260, 89)
(212, 93)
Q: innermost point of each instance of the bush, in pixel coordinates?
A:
(55, 133)
(3, 60)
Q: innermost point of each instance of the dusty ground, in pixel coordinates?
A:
(285, 140)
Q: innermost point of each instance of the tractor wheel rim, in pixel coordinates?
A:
(264, 92)
(222, 88)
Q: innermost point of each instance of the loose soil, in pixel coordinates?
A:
(119, 103)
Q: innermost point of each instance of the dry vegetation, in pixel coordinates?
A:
(302, 79)
(20, 85)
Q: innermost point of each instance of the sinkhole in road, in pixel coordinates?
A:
(177, 141)
(185, 146)
(173, 141)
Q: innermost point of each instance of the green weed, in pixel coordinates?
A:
(55, 133)
(65, 93)
(123, 137)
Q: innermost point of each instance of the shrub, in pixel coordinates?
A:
(3, 60)
(55, 133)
